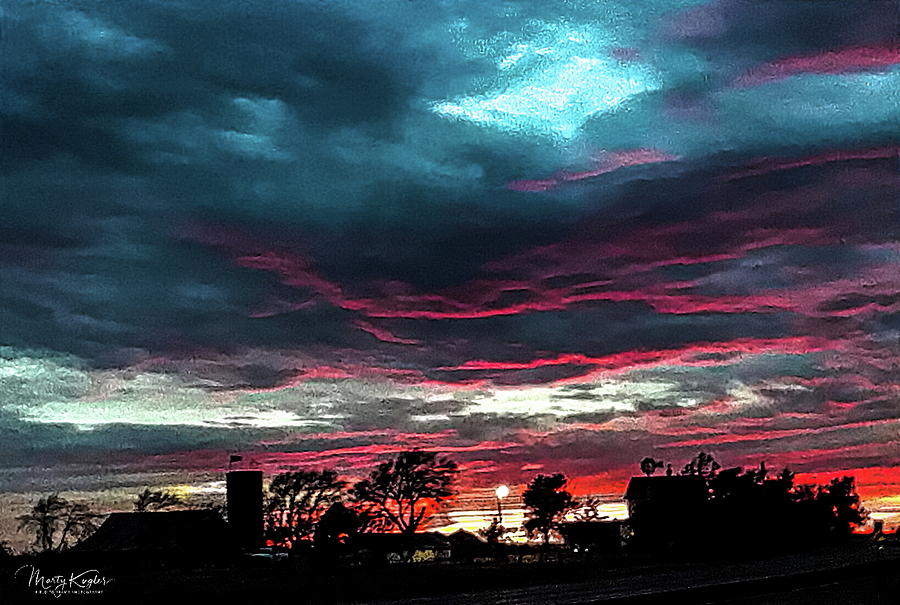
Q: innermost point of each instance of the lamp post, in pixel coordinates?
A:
(502, 491)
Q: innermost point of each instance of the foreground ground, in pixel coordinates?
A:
(849, 576)
(829, 577)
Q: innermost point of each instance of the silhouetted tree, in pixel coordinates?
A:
(703, 465)
(786, 476)
(649, 465)
(295, 501)
(839, 497)
(371, 516)
(403, 491)
(734, 483)
(57, 523)
(774, 511)
(762, 506)
(150, 500)
(547, 501)
(494, 532)
(587, 509)
(6, 552)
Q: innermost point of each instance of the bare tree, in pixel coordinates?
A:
(588, 509)
(371, 516)
(296, 501)
(405, 490)
(150, 500)
(57, 523)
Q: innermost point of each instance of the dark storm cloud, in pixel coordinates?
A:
(742, 29)
(125, 122)
(151, 118)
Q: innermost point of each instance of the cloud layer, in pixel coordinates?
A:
(534, 235)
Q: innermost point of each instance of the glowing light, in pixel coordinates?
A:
(502, 491)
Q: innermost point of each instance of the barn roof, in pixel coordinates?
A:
(162, 531)
(462, 537)
(676, 487)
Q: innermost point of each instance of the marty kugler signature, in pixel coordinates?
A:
(85, 582)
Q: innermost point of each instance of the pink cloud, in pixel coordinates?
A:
(382, 334)
(767, 165)
(617, 266)
(768, 436)
(629, 254)
(691, 355)
(844, 60)
(619, 263)
(604, 163)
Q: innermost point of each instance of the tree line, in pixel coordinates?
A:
(401, 494)
(756, 507)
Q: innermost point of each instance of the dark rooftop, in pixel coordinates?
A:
(163, 531)
(665, 488)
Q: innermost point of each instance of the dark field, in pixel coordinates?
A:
(845, 576)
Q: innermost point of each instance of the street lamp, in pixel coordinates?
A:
(502, 491)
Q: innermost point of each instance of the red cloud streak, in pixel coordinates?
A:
(604, 163)
(766, 436)
(845, 60)
(683, 356)
(767, 165)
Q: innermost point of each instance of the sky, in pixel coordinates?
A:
(537, 236)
